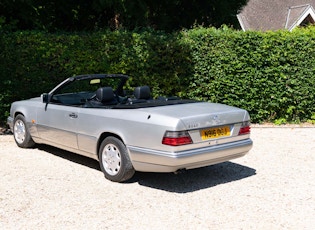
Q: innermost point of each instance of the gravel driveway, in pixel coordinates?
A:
(273, 187)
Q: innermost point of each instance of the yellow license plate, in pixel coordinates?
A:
(211, 133)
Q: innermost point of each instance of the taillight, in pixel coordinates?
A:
(245, 128)
(176, 138)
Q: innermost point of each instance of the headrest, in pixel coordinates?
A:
(142, 92)
(105, 94)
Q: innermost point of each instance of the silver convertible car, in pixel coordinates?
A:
(93, 115)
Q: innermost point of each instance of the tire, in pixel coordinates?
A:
(21, 133)
(114, 160)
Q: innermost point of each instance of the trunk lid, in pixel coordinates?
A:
(202, 114)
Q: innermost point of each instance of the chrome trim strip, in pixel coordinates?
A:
(185, 153)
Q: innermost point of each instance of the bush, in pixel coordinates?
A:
(272, 75)
(269, 74)
(34, 62)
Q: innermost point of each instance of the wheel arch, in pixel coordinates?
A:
(18, 113)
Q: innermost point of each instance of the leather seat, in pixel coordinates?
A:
(142, 92)
(104, 96)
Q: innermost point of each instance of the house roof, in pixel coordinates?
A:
(274, 15)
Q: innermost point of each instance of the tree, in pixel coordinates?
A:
(82, 15)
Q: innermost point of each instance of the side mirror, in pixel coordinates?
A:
(45, 98)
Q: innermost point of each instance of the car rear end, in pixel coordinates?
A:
(204, 134)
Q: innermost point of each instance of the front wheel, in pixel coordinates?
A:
(114, 160)
(21, 134)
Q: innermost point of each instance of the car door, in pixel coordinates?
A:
(57, 124)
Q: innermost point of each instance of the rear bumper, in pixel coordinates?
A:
(148, 160)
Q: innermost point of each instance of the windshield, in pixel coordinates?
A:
(78, 90)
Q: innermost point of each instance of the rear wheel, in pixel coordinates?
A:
(21, 133)
(114, 160)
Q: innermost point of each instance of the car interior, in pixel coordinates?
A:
(108, 93)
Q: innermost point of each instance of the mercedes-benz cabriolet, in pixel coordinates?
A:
(92, 115)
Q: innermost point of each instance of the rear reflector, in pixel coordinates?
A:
(175, 138)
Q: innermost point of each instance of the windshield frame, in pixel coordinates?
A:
(118, 90)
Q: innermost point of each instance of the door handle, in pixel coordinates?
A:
(73, 115)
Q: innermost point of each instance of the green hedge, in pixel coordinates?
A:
(272, 75)
(269, 74)
(34, 62)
